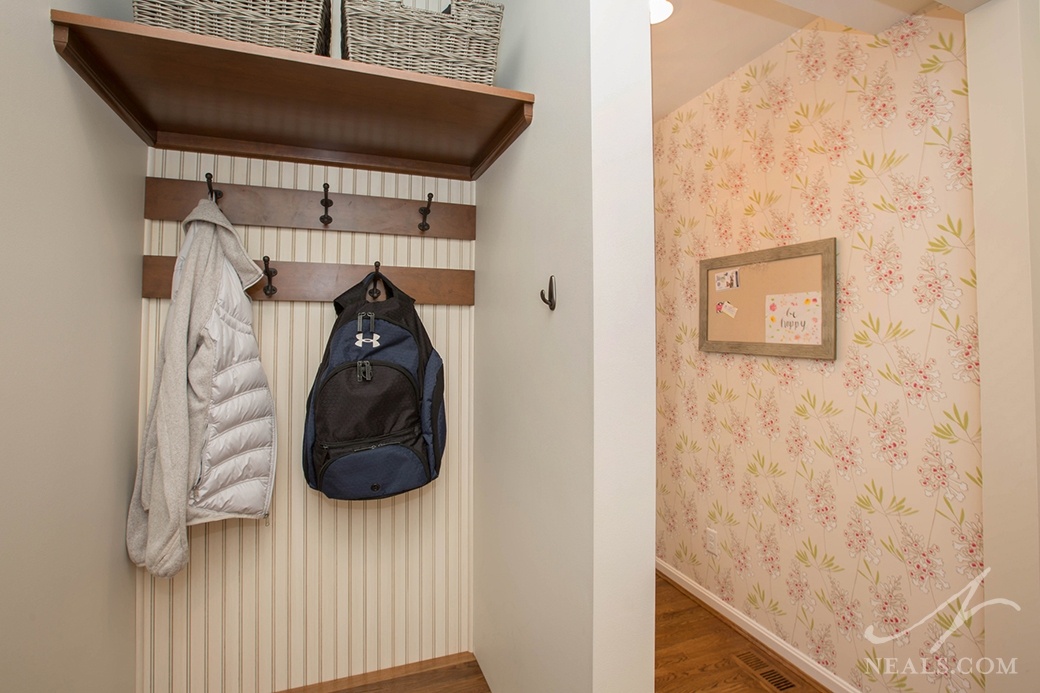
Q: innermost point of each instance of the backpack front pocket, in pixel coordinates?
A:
(371, 468)
(368, 439)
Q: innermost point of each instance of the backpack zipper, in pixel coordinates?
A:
(352, 446)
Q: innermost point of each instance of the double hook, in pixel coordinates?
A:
(269, 272)
(214, 195)
(325, 219)
(425, 212)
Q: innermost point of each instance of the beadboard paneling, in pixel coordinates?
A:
(324, 589)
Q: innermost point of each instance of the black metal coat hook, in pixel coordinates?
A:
(269, 272)
(550, 300)
(425, 212)
(374, 292)
(213, 194)
(326, 203)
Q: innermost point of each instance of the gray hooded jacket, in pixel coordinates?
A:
(208, 450)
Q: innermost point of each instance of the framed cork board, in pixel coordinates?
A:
(775, 302)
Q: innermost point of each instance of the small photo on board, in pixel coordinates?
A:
(730, 279)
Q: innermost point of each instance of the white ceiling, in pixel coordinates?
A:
(706, 40)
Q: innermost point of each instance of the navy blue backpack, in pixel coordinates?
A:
(375, 423)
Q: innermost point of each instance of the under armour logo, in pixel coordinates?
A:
(362, 340)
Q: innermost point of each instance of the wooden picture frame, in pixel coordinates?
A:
(775, 302)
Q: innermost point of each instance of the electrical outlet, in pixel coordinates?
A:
(713, 541)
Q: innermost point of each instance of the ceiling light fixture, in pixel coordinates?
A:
(660, 10)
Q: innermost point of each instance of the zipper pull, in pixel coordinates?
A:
(364, 370)
(360, 324)
(372, 321)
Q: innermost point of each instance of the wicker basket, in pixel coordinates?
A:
(299, 25)
(459, 43)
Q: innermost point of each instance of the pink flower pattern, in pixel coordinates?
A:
(763, 150)
(787, 512)
(822, 503)
(848, 303)
(838, 140)
(768, 415)
(845, 448)
(807, 464)
(812, 63)
(935, 287)
(941, 666)
(922, 561)
(921, 379)
(799, 591)
(727, 474)
(939, 474)
(816, 200)
(956, 161)
(847, 616)
(891, 612)
(799, 447)
(964, 352)
(745, 113)
(929, 105)
(888, 437)
(877, 101)
(821, 647)
(851, 58)
(859, 538)
(913, 199)
(749, 499)
(769, 552)
(884, 265)
(967, 539)
(905, 34)
(794, 160)
(855, 216)
(779, 95)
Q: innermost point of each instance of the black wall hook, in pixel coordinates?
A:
(326, 203)
(269, 272)
(550, 300)
(425, 212)
(374, 292)
(213, 194)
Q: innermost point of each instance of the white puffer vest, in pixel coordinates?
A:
(235, 474)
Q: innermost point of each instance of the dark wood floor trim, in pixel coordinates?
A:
(793, 671)
(363, 681)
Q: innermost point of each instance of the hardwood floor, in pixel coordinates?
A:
(696, 651)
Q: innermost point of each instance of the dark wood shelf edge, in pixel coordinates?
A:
(315, 281)
(86, 65)
(73, 36)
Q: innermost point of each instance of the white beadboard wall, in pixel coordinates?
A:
(326, 589)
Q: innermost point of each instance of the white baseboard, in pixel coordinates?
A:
(766, 638)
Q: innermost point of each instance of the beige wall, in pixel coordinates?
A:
(563, 507)
(1004, 73)
(71, 200)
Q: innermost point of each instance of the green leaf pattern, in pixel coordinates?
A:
(843, 494)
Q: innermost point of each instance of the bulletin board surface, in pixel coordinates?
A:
(778, 301)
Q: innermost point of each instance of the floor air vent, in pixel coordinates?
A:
(765, 671)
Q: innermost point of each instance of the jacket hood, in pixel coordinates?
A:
(208, 211)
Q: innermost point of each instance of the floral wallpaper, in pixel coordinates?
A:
(845, 494)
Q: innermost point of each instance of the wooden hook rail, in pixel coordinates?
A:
(315, 281)
(253, 205)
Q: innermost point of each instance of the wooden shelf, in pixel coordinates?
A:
(199, 93)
